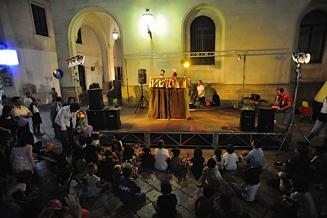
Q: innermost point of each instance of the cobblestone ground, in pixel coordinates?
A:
(107, 205)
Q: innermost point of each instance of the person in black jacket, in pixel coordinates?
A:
(166, 203)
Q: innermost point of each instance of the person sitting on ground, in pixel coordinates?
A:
(255, 157)
(128, 152)
(128, 191)
(117, 148)
(147, 160)
(94, 184)
(204, 203)
(217, 157)
(197, 163)
(249, 188)
(117, 173)
(161, 155)
(165, 206)
(106, 166)
(91, 152)
(210, 175)
(176, 166)
(230, 159)
(215, 99)
(226, 208)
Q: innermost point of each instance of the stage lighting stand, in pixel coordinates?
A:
(288, 135)
(142, 101)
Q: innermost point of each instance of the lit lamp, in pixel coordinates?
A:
(115, 34)
(148, 20)
(8, 56)
(186, 64)
(301, 58)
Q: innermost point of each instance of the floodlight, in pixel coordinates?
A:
(8, 57)
(301, 57)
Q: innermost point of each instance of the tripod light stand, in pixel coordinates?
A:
(142, 101)
(299, 59)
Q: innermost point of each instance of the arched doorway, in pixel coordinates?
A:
(90, 35)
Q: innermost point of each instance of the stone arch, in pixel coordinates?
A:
(211, 12)
(102, 32)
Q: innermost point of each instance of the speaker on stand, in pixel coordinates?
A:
(95, 99)
(141, 75)
(247, 120)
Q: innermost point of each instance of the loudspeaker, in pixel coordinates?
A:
(113, 119)
(141, 74)
(95, 99)
(97, 119)
(266, 117)
(247, 120)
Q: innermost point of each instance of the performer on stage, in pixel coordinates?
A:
(283, 104)
(320, 122)
(200, 93)
(162, 73)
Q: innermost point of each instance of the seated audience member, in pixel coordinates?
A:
(128, 191)
(91, 151)
(161, 155)
(197, 163)
(215, 99)
(128, 152)
(106, 166)
(117, 148)
(255, 157)
(165, 206)
(211, 175)
(176, 166)
(217, 157)
(21, 156)
(19, 109)
(94, 183)
(117, 173)
(226, 208)
(230, 159)
(249, 189)
(204, 203)
(146, 159)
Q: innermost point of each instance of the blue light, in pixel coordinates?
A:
(8, 57)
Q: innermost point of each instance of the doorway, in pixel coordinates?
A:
(82, 80)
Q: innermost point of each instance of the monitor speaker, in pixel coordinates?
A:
(113, 119)
(266, 117)
(247, 120)
(97, 119)
(141, 74)
(95, 99)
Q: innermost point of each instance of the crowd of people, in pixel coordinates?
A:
(92, 165)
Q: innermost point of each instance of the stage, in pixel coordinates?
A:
(205, 127)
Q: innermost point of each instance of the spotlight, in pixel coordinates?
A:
(74, 61)
(301, 57)
(115, 34)
(148, 20)
(186, 64)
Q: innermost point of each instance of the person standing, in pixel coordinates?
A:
(283, 104)
(19, 109)
(28, 99)
(320, 122)
(66, 119)
(37, 120)
(54, 108)
(200, 93)
(54, 94)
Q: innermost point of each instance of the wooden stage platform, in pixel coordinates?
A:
(205, 127)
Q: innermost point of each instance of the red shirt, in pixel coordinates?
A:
(286, 100)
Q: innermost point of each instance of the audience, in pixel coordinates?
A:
(255, 157)
(165, 206)
(230, 159)
(147, 160)
(205, 203)
(217, 157)
(197, 163)
(176, 167)
(210, 175)
(161, 156)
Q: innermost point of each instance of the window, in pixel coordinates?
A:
(79, 36)
(313, 34)
(40, 20)
(203, 39)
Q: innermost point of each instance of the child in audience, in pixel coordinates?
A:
(147, 160)
(176, 166)
(204, 203)
(116, 175)
(197, 163)
(165, 206)
(217, 158)
(161, 155)
(210, 175)
(106, 166)
(230, 159)
(128, 152)
(91, 151)
(255, 157)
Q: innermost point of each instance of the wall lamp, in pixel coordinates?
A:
(115, 34)
(8, 57)
(148, 20)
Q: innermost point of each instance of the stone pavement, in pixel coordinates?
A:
(107, 205)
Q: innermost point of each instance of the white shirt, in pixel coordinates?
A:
(200, 89)
(63, 118)
(160, 159)
(230, 161)
(324, 106)
(250, 192)
(27, 102)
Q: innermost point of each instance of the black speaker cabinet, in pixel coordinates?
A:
(247, 120)
(95, 99)
(266, 117)
(97, 119)
(141, 73)
(113, 119)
